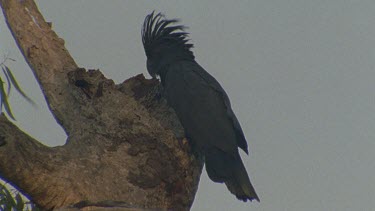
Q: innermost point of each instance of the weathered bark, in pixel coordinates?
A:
(122, 139)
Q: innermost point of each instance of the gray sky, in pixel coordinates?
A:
(300, 76)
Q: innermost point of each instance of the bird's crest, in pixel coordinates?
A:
(157, 32)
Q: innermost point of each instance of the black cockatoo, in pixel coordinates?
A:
(200, 103)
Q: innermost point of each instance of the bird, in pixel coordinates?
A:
(200, 103)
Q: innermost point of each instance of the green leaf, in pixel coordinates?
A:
(19, 202)
(7, 77)
(18, 88)
(4, 100)
(9, 200)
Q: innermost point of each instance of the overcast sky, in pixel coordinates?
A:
(300, 76)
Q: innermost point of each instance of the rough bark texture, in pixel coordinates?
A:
(125, 148)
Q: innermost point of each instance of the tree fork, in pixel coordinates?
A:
(124, 143)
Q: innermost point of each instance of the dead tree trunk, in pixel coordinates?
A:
(122, 139)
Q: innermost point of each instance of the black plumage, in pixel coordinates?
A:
(199, 101)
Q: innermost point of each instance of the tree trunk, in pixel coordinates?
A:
(125, 146)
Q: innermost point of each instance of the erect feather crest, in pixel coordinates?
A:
(157, 32)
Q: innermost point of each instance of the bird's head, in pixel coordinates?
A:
(164, 43)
